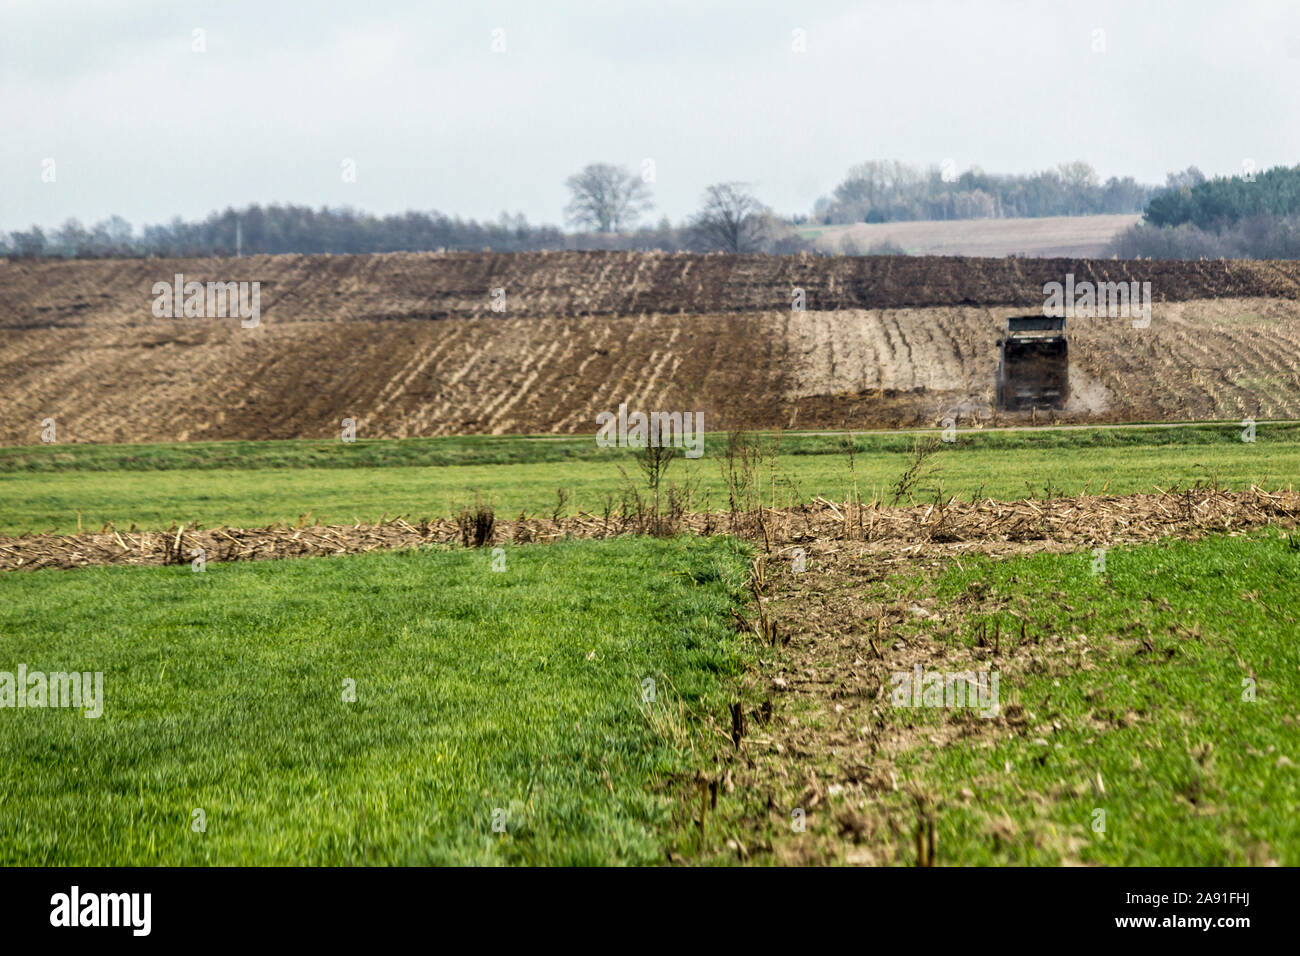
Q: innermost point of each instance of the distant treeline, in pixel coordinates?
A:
(1189, 217)
(299, 229)
(1254, 216)
(890, 191)
(289, 229)
(1224, 201)
(1260, 237)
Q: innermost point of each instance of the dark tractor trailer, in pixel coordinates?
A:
(1034, 370)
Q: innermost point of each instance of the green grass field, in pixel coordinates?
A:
(548, 449)
(1187, 770)
(517, 695)
(252, 484)
(477, 692)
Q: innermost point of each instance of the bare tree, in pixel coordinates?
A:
(731, 219)
(1189, 177)
(606, 198)
(1078, 175)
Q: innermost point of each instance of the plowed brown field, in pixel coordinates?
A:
(456, 285)
(887, 341)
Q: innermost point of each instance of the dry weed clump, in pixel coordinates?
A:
(1091, 519)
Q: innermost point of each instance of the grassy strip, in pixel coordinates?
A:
(260, 496)
(1134, 740)
(517, 694)
(519, 450)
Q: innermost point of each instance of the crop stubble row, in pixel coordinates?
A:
(356, 337)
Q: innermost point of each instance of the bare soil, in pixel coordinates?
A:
(109, 378)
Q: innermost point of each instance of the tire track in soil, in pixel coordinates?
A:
(421, 359)
(495, 413)
(564, 408)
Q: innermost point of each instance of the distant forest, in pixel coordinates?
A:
(1189, 217)
(287, 229)
(884, 191)
(270, 230)
(1254, 216)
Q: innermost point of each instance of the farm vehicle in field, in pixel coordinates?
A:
(1034, 366)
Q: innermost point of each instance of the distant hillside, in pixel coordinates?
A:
(409, 345)
(43, 293)
(1055, 236)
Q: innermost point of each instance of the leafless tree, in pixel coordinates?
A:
(730, 219)
(1189, 177)
(606, 198)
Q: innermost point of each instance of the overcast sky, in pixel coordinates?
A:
(140, 124)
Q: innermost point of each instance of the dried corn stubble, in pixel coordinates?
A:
(1091, 520)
